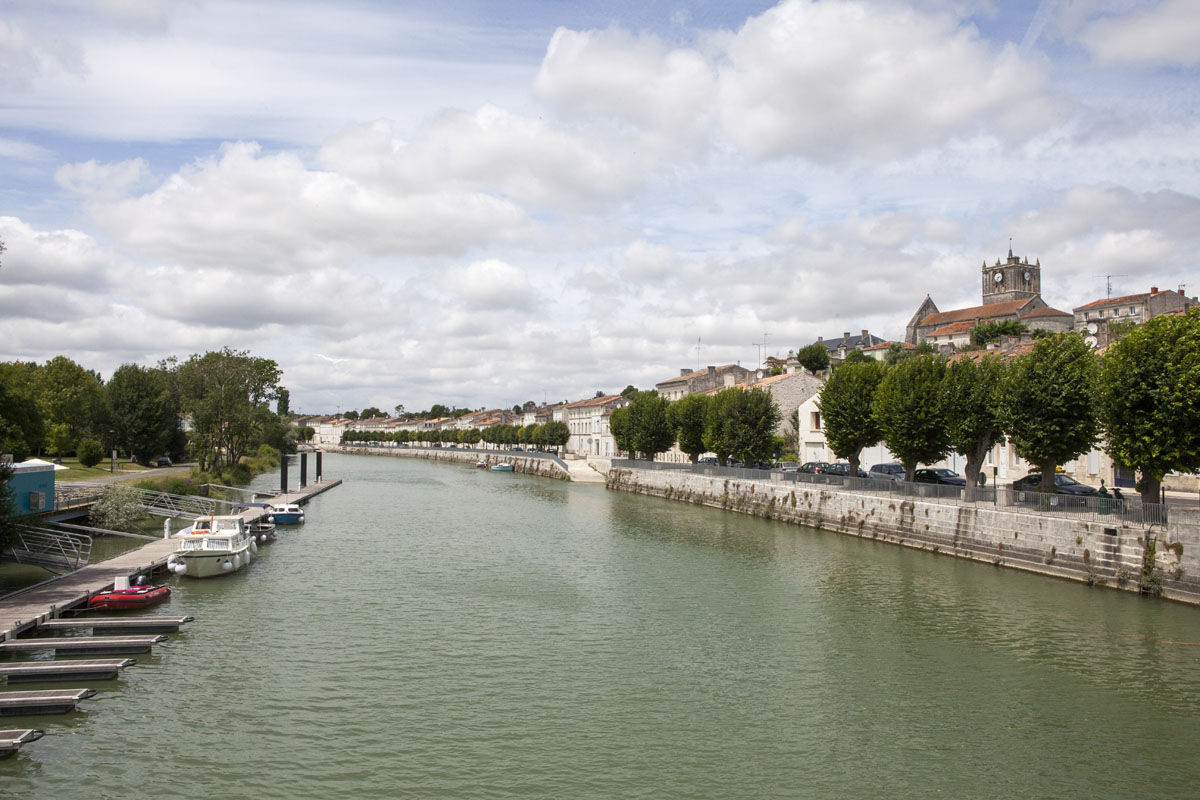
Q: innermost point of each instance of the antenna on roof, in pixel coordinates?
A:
(1108, 283)
(697, 352)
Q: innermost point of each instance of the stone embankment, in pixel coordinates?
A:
(1154, 560)
(529, 463)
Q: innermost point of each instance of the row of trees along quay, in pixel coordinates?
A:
(550, 434)
(62, 409)
(1140, 397)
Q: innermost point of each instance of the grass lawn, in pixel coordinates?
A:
(78, 472)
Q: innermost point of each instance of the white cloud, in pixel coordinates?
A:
(493, 285)
(102, 183)
(864, 81)
(62, 259)
(1166, 33)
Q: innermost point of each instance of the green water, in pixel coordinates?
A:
(435, 631)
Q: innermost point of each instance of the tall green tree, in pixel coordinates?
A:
(142, 414)
(1150, 399)
(750, 421)
(845, 405)
(67, 394)
(556, 433)
(1050, 408)
(687, 416)
(909, 413)
(283, 403)
(716, 432)
(814, 357)
(22, 429)
(972, 400)
(225, 393)
(643, 427)
(8, 508)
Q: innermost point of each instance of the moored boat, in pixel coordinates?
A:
(123, 596)
(212, 546)
(505, 467)
(481, 464)
(286, 514)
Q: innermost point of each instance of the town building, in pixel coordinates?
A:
(838, 348)
(588, 421)
(1093, 319)
(702, 380)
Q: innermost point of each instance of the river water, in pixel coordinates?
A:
(435, 631)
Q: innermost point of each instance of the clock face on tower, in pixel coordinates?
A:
(999, 276)
(1028, 275)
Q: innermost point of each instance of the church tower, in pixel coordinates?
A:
(1013, 280)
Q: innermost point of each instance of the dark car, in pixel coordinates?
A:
(842, 468)
(946, 477)
(887, 472)
(162, 461)
(813, 467)
(1063, 484)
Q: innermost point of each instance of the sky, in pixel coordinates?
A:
(479, 203)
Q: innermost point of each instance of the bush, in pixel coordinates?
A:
(118, 509)
(90, 452)
(240, 474)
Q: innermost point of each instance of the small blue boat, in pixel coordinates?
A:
(502, 468)
(286, 514)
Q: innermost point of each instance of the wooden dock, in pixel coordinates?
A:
(11, 741)
(52, 701)
(85, 645)
(25, 610)
(99, 669)
(118, 624)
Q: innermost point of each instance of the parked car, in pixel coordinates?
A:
(842, 468)
(763, 465)
(813, 467)
(162, 461)
(946, 477)
(788, 466)
(887, 472)
(710, 460)
(1063, 484)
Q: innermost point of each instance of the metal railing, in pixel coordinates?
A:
(55, 551)
(72, 495)
(1127, 511)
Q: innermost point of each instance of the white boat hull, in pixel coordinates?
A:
(209, 564)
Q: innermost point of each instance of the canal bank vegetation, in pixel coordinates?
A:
(1053, 402)
(214, 408)
(550, 434)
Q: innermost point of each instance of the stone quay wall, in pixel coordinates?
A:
(529, 463)
(1091, 552)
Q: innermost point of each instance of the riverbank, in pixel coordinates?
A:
(546, 465)
(1155, 560)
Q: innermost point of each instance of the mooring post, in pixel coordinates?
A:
(283, 478)
(318, 466)
(303, 470)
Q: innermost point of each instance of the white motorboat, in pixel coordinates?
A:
(212, 546)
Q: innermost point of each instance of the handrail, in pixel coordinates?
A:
(50, 550)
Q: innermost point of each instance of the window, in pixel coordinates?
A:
(1132, 310)
(816, 420)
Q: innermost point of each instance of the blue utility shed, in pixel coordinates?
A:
(32, 486)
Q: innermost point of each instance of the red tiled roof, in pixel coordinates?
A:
(886, 345)
(1045, 312)
(954, 327)
(691, 375)
(991, 311)
(1114, 301)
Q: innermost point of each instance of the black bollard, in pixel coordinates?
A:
(318, 466)
(283, 473)
(303, 470)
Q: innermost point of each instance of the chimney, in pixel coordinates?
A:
(845, 335)
(684, 371)
(1153, 290)
(820, 338)
(711, 368)
(866, 337)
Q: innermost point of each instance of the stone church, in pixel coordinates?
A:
(1011, 290)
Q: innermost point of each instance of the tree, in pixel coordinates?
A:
(117, 509)
(643, 427)
(845, 405)
(896, 352)
(741, 423)
(1149, 399)
(66, 394)
(1050, 409)
(371, 413)
(21, 426)
(855, 357)
(8, 509)
(991, 331)
(909, 413)
(225, 393)
(399, 409)
(750, 421)
(556, 433)
(283, 402)
(90, 452)
(629, 391)
(814, 357)
(687, 416)
(140, 411)
(972, 401)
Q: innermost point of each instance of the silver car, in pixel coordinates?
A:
(888, 472)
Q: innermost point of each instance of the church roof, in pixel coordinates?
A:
(1045, 312)
(964, 326)
(1010, 308)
